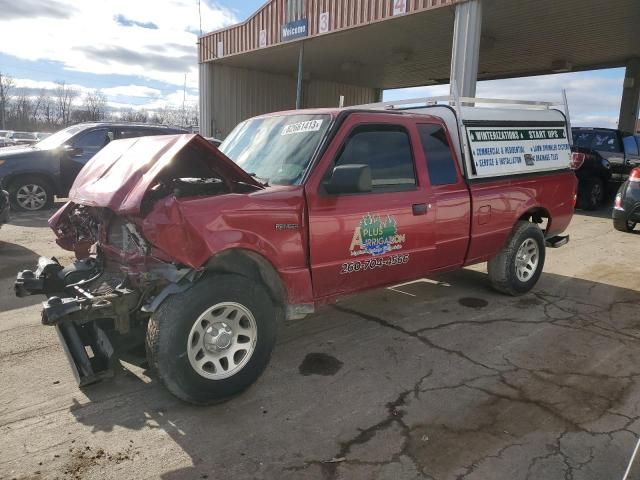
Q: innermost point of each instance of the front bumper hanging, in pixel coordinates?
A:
(74, 312)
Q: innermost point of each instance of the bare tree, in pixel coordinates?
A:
(95, 106)
(48, 108)
(135, 116)
(21, 110)
(6, 85)
(65, 97)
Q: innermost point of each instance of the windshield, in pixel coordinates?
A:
(276, 149)
(59, 138)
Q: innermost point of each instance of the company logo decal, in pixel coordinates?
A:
(375, 237)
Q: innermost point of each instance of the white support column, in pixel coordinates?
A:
(630, 97)
(206, 100)
(465, 52)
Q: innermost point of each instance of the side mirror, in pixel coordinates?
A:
(71, 150)
(352, 178)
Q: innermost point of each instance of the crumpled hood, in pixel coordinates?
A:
(120, 174)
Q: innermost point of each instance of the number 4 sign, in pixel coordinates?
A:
(399, 7)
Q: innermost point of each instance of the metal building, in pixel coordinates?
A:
(309, 53)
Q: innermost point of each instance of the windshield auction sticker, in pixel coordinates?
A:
(506, 151)
(302, 127)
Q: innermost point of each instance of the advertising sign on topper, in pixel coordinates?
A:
(511, 150)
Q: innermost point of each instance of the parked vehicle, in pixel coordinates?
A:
(607, 156)
(34, 174)
(43, 135)
(213, 141)
(22, 138)
(626, 210)
(4, 207)
(207, 255)
(4, 141)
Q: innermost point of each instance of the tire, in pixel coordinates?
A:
(176, 334)
(590, 194)
(31, 194)
(503, 268)
(623, 225)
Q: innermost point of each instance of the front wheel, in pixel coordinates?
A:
(518, 266)
(31, 194)
(213, 341)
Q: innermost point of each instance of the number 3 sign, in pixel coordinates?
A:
(399, 7)
(324, 22)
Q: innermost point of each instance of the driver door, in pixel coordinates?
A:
(385, 236)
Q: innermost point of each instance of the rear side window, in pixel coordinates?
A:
(135, 132)
(440, 162)
(583, 139)
(387, 151)
(630, 145)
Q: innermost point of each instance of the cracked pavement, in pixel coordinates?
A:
(438, 379)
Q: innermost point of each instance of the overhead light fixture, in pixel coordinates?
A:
(561, 66)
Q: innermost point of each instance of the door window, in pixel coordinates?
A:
(630, 145)
(440, 162)
(95, 139)
(606, 141)
(387, 151)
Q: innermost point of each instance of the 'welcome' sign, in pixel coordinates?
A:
(293, 30)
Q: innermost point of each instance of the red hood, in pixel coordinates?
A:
(120, 174)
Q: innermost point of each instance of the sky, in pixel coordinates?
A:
(137, 52)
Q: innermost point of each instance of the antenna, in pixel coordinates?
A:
(184, 96)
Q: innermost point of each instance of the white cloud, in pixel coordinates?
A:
(88, 37)
(132, 91)
(41, 84)
(594, 98)
(173, 99)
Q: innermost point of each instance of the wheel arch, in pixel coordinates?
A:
(46, 176)
(538, 215)
(251, 265)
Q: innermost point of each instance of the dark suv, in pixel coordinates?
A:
(34, 174)
(609, 156)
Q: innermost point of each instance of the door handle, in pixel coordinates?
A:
(420, 208)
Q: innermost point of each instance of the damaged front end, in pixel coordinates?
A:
(106, 296)
(104, 299)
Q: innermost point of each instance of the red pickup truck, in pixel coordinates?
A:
(206, 250)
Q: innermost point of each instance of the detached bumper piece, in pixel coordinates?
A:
(77, 313)
(88, 350)
(557, 241)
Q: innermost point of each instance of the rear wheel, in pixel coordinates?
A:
(517, 268)
(31, 194)
(623, 225)
(213, 341)
(590, 193)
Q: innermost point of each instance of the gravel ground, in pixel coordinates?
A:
(439, 379)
